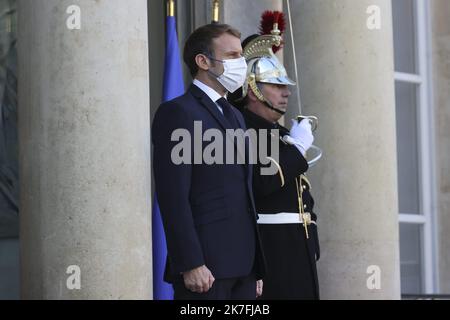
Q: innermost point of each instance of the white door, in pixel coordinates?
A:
(414, 147)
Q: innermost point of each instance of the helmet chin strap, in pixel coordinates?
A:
(268, 105)
(259, 95)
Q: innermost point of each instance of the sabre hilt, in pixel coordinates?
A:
(312, 119)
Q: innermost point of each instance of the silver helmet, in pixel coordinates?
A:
(263, 65)
(269, 70)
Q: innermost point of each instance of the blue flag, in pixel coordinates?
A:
(173, 87)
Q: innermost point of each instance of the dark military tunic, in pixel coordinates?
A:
(291, 257)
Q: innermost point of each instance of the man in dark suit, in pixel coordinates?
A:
(207, 210)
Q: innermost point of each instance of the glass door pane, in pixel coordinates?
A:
(411, 258)
(407, 147)
(404, 24)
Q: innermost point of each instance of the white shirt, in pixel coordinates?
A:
(210, 92)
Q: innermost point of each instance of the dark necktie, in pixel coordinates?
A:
(227, 112)
(231, 118)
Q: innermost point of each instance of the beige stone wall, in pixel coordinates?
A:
(440, 11)
(84, 143)
(346, 79)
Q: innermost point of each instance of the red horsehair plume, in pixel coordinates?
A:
(268, 19)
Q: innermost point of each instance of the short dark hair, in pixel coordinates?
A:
(200, 42)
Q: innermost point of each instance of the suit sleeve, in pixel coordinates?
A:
(172, 183)
(290, 165)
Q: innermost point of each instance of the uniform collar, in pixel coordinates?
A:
(259, 122)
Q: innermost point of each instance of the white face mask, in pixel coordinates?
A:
(234, 73)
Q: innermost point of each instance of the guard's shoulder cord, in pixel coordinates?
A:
(306, 216)
(306, 180)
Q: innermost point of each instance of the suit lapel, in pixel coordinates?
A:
(248, 165)
(214, 111)
(209, 105)
(247, 145)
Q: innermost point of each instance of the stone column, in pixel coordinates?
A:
(84, 137)
(346, 79)
(440, 40)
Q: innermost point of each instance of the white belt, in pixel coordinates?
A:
(281, 218)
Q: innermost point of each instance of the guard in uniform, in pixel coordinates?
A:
(287, 223)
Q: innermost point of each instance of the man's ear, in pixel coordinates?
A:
(251, 95)
(202, 62)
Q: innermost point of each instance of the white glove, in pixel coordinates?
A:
(301, 135)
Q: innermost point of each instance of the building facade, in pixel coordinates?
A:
(375, 72)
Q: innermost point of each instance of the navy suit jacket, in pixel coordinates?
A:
(208, 211)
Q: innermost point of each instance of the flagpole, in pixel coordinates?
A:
(170, 8)
(216, 11)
